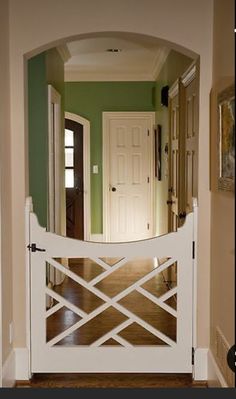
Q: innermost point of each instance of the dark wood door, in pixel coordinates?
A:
(74, 179)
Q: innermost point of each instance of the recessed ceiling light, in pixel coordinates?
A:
(114, 50)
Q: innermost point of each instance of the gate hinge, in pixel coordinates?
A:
(193, 350)
(193, 250)
(148, 226)
(33, 248)
(148, 133)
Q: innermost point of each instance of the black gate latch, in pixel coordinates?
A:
(33, 248)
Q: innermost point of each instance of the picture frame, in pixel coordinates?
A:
(158, 163)
(226, 139)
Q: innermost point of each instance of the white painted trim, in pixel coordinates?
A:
(159, 62)
(86, 166)
(106, 117)
(8, 371)
(174, 89)
(96, 238)
(214, 373)
(76, 75)
(189, 75)
(195, 270)
(28, 210)
(22, 372)
(200, 371)
(64, 52)
(54, 178)
(1, 369)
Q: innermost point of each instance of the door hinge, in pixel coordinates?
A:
(193, 356)
(33, 248)
(148, 180)
(148, 132)
(193, 250)
(148, 226)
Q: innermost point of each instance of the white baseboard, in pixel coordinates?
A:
(215, 377)
(8, 371)
(96, 237)
(200, 369)
(22, 372)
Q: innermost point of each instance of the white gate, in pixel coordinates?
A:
(171, 353)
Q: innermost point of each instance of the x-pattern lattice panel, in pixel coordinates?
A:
(121, 297)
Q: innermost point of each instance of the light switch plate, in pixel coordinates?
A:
(95, 169)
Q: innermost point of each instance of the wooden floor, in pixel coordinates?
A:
(110, 318)
(135, 334)
(111, 381)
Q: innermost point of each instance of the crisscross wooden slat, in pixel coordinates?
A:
(112, 302)
(157, 301)
(54, 309)
(66, 303)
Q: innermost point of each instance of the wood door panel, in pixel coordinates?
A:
(191, 143)
(74, 195)
(174, 161)
(183, 142)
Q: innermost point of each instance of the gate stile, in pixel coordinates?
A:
(174, 356)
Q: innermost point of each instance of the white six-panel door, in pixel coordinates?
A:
(128, 175)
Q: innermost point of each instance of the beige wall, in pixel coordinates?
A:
(32, 26)
(5, 161)
(174, 66)
(222, 203)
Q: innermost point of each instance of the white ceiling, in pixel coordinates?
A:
(141, 59)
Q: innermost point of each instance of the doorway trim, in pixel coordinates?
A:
(86, 166)
(106, 118)
(54, 160)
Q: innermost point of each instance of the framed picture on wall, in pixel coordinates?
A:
(226, 139)
(158, 152)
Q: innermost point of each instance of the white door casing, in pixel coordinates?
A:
(175, 356)
(54, 150)
(128, 173)
(86, 168)
(55, 182)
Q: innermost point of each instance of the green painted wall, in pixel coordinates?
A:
(38, 130)
(89, 100)
(43, 69)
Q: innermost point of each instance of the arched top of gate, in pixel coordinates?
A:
(132, 36)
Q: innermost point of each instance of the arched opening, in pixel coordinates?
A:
(134, 73)
(136, 167)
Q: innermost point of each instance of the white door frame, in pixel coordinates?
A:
(54, 151)
(86, 173)
(106, 118)
(1, 365)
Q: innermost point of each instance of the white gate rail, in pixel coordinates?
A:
(174, 356)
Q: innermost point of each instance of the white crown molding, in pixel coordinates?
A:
(79, 76)
(189, 75)
(160, 60)
(74, 73)
(64, 52)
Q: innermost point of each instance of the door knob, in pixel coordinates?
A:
(113, 189)
(182, 215)
(170, 202)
